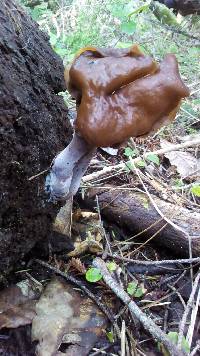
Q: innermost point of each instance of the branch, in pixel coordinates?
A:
(147, 323)
(122, 166)
(187, 310)
(155, 263)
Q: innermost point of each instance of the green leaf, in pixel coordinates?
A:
(38, 11)
(53, 39)
(93, 275)
(129, 152)
(194, 51)
(185, 345)
(111, 266)
(178, 183)
(195, 190)
(135, 289)
(129, 167)
(61, 51)
(110, 336)
(117, 11)
(140, 163)
(188, 107)
(153, 158)
(173, 336)
(124, 44)
(128, 27)
(140, 9)
(196, 101)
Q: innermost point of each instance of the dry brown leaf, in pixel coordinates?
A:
(88, 245)
(16, 308)
(186, 164)
(77, 264)
(66, 322)
(86, 232)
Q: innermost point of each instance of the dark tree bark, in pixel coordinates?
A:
(33, 129)
(188, 7)
(185, 7)
(128, 211)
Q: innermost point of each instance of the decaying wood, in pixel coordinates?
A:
(128, 209)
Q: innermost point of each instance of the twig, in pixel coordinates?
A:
(102, 352)
(156, 263)
(178, 294)
(194, 351)
(39, 174)
(193, 320)
(173, 29)
(168, 295)
(123, 339)
(80, 285)
(147, 323)
(123, 165)
(147, 241)
(128, 242)
(102, 228)
(153, 202)
(187, 310)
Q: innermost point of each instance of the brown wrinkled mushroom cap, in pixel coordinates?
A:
(122, 93)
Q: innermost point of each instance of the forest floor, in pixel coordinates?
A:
(119, 287)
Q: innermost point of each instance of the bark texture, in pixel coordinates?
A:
(128, 211)
(188, 7)
(33, 129)
(185, 7)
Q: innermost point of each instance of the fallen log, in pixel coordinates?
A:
(33, 129)
(173, 230)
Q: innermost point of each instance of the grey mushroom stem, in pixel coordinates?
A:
(68, 168)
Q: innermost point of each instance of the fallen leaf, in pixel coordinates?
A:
(16, 307)
(86, 233)
(66, 322)
(186, 164)
(77, 264)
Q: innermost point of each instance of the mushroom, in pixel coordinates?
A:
(120, 93)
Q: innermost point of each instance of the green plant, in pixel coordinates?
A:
(110, 336)
(136, 289)
(173, 336)
(130, 152)
(196, 190)
(93, 275)
(111, 266)
(153, 158)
